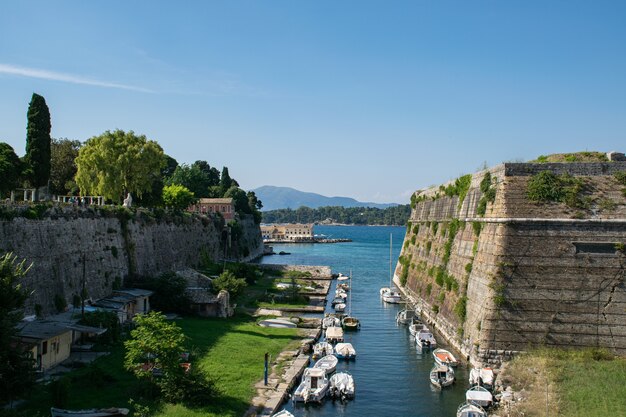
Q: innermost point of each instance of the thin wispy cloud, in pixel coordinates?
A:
(68, 78)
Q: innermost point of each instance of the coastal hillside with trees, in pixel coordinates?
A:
(113, 165)
(391, 216)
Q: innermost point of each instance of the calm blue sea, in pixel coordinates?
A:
(391, 375)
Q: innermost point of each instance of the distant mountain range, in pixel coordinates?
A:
(274, 198)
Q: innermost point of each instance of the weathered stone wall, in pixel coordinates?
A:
(68, 244)
(522, 273)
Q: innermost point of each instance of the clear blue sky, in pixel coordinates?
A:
(366, 99)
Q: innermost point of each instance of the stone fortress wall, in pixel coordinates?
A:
(518, 273)
(67, 244)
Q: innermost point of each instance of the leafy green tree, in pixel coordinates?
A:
(177, 197)
(255, 206)
(193, 178)
(154, 343)
(169, 293)
(154, 197)
(229, 282)
(16, 365)
(118, 162)
(212, 173)
(63, 153)
(10, 169)
(37, 156)
(240, 199)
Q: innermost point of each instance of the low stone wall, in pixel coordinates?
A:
(317, 272)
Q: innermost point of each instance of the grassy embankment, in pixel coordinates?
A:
(582, 383)
(264, 294)
(229, 351)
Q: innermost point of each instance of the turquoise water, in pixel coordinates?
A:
(391, 375)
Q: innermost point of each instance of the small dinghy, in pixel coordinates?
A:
(334, 334)
(342, 386)
(337, 300)
(350, 323)
(345, 351)
(328, 363)
(479, 395)
(405, 316)
(441, 376)
(92, 412)
(425, 339)
(340, 307)
(283, 413)
(330, 321)
(444, 357)
(278, 323)
(313, 387)
(470, 410)
(322, 349)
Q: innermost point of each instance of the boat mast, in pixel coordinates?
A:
(390, 245)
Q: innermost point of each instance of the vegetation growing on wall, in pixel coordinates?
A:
(489, 194)
(621, 179)
(546, 186)
(572, 157)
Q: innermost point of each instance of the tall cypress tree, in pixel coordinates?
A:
(38, 141)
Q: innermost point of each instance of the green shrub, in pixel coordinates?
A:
(548, 187)
(104, 319)
(477, 227)
(59, 303)
(429, 289)
(441, 297)
(468, 267)
(229, 282)
(428, 246)
(460, 309)
(435, 226)
(485, 183)
(416, 229)
(436, 309)
(169, 292)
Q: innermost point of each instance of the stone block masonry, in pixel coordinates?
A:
(497, 273)
(110, 247)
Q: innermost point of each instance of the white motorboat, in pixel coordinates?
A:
(283, 413)
(313, 387)
(342, 386)
(341, 294)
(445, 357)
(468, 409)
(441, 376)
(392, 297)
(337, 300)
(322, 349)
(345, 351)
(384, 290)
(334, 334)
(416, 327)
(331, 321)
(340, 307)
(344, 286)
(92, 412)
(328, 363)
(479, 395)
(425, 339)
(405, 316)
(342, 277)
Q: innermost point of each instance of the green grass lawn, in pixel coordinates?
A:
(581, 383)
(230, 351)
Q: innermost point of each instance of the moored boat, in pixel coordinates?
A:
(425, 339)
(340, 307)
(482, 376)
(313, 387)
(405, 316)
(334, 334)
(350, 323)
(322, 349)
(415, 327)
(328, 363)
(337, 300)
(283, 413)
(345, 351)
(392, 297)
(342, 386)
(444, 357)
(92, 412)
(468, 409)
(441, 376)
(331, 321)
(479, 395)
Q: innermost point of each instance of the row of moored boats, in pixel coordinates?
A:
(322, 380)
(479, 396)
